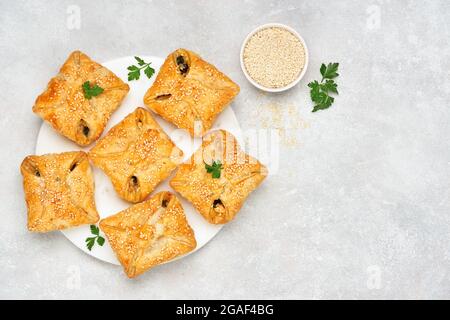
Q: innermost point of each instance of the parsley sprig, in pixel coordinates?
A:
(214, 169)
(135, 71)
(320, 92)
(91, 240)
(91, 91)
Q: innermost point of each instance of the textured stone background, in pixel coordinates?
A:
(359, 207)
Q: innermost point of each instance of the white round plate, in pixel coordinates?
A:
(107, 201)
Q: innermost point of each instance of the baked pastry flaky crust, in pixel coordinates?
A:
(149, 233)
(137, 155)
(59, 191)
(218, 199)
(190, 92)
(64, 106)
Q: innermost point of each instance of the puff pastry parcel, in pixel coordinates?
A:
(190, 92)
(65, 107)
(137, 155)
(149, 233)
(218, 199)
(59, 191)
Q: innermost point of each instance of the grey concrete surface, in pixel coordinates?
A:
(359, 207)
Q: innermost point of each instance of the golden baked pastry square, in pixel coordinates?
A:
(149, 233)
(137, 155)
(59, 191)
(218, 194)
(63, 104)
(190, 92)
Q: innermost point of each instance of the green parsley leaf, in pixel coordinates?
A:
(94, 229)
(214, 169)
(329, 71)
(90, 241)
(139, 61)
(315, 87)
(330, 86)
(323, 69)
(320, 91)
(100, 241)
(135, 71)
(89, 91)
(325, 103)
(149, 71)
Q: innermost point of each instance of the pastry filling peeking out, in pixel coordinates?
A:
(166, 199)
(182, 65)
(133, 184)
(84, 128)
(163, 96)
(31, 167)
(218, 207)
(217, 203)
(73, 166)
(76, 162)
(139, 119)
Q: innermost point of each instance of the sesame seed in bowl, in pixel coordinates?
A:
(274, 57)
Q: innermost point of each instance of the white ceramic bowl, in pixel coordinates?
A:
(290, 85)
